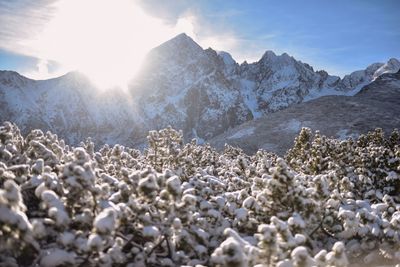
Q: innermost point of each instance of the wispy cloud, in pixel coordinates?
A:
(21, 21)
(65, 31)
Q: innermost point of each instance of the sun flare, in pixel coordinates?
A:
(107, 40)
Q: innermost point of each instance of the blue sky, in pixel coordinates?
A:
(338, 36)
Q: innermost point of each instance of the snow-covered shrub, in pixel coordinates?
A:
(327, 203)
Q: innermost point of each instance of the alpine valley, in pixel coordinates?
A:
(201, 91)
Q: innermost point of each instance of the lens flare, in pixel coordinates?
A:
(107, 40)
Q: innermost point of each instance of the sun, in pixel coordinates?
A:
(105, 39)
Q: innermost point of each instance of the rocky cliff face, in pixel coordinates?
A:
(187, 87)
(202, 92)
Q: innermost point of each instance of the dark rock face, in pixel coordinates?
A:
(376, 105)
(202, 92)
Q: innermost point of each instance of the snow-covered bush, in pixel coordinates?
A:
(327, 203)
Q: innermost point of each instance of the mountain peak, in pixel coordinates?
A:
(182, 36)
(9, 73)
(282, 60)
(370, 70)
(391, 66)
(12, 77)
(182, 41)
(393, 61)
(181, 46)
(226, 57)
(269, 54)
(74, 75)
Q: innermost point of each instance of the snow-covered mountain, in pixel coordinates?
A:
(201, 91)
(377, 105)
(204, 92)
(69, 106)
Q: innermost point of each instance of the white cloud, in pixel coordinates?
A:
(44, 70)
(41, 71)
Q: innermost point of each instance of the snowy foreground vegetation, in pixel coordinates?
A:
(327, 203)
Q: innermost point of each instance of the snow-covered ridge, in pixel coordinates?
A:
(389, 67)
(181, 84)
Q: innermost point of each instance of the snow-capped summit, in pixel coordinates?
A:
(355, 81)
(201, 91)
(180, 40)
(180, 48)
(392, 66)
(269, 54)
(231, 66)
(358, 79)
(227, 58)
(12, 78)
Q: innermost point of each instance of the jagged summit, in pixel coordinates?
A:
(270, 55)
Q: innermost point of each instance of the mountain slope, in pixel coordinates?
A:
(376, 105)
(201, 91)
(185, 86)
(69, 106)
